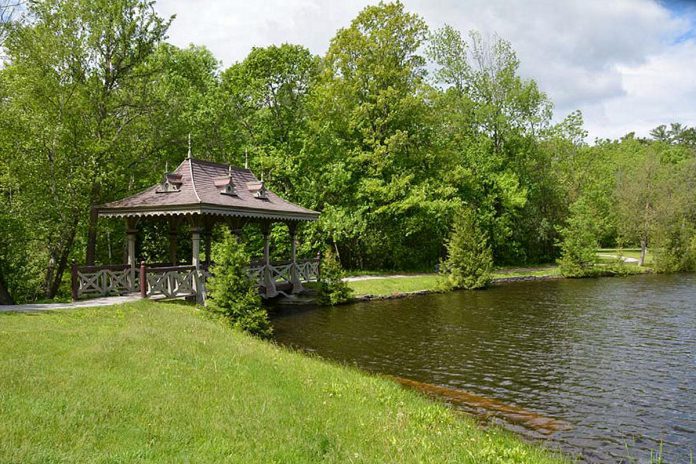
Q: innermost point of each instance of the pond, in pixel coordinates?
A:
(609, 365)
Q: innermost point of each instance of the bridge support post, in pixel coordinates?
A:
(268, 280)
(295, 279)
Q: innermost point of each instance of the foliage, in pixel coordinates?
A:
(387, 135)
(469, 262)
(332, 289)
(232, 293)
(579, 242)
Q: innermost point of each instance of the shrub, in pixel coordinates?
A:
(579, 243)
(231, 292)
(675, 249)
(469, 260)
(332, 289)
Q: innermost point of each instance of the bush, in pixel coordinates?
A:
(675, 249)
(469, 262)
(231, 292)
(579, 243)
(332, 289)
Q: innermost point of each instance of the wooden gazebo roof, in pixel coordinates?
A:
(200, 187)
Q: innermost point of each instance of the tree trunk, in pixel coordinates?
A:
(5, 297)
(62, 263)
(643, 250)
(92, 227)
(92, 238)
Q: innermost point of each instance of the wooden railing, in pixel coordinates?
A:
(171, 281)
(103, 280)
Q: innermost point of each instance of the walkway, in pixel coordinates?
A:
(38, 307)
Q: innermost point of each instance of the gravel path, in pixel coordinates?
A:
(105, 301)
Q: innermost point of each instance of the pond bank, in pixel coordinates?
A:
(376, 287)
(387, 287)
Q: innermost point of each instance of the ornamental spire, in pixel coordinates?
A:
(189, 146)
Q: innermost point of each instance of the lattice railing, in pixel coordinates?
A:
(308, 269)
(173, 281)
(103, 280)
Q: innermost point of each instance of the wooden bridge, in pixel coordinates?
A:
(199, 196)
(169, 281)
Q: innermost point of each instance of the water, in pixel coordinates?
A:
(614, 358)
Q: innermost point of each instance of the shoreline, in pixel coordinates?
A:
(496, 281)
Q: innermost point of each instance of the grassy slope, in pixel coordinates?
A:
(148, 382)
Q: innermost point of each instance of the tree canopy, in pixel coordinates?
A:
(392, 133)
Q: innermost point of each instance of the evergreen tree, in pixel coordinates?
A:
(232, 293)
(579, 242)
(469, 257)
(332, 289)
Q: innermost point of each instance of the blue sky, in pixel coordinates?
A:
(629, 65)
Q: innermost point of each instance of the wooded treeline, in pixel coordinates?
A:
(390, 135)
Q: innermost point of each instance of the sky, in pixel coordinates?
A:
(628, 65)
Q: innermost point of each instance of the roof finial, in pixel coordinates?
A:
(189, 146)
(246, 159)
(166, 166)
(229, 170)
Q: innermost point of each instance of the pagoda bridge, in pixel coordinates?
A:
(199, 194)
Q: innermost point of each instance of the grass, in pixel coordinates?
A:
(387, 285)
(627, 252)
(391, 285)
(158, 382)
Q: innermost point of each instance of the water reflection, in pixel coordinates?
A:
(615, 358)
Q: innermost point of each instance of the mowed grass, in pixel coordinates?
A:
(159, 382)
(386, 285)
(390, 285)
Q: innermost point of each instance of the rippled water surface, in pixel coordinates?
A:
(614, 358)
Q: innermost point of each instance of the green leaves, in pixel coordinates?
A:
(232, 293)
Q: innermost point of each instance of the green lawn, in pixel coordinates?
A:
(390, 285)
(158, 382)
(429, 282)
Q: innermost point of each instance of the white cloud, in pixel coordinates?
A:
(619, 61)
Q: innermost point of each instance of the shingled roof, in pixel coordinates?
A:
(204, 187)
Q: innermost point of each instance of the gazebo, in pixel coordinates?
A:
(202, 194)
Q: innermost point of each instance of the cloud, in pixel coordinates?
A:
(627, 64)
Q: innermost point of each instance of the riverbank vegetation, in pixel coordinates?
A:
(160, 382)
(390, 134)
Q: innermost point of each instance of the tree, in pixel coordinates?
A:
(77, 94)
(489, 121)
(636, 190)
(265, 100)
(370, 141)
(332, 288)
(579, 241)
(469, 262)
(232, 293)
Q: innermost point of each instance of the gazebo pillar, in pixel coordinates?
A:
(173, 224)
(294, 270)
(268, 281)
(196, 247)
(131, 234)
(207, 233)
